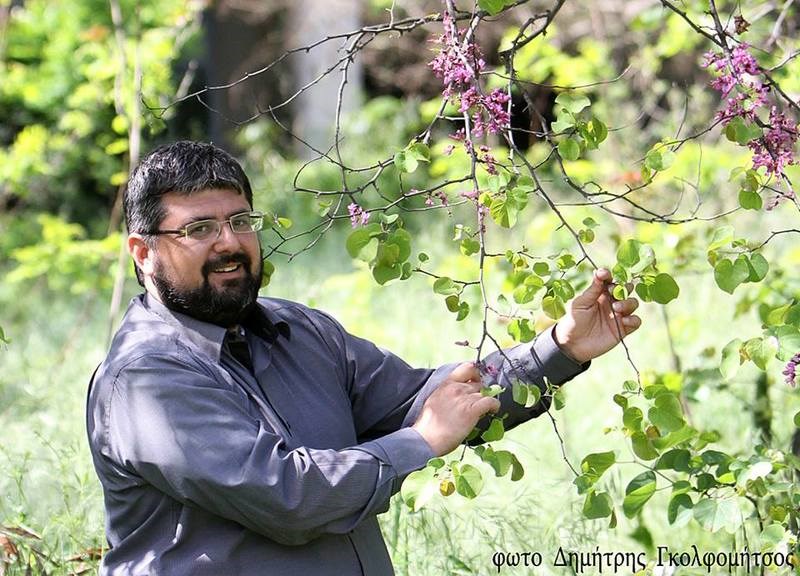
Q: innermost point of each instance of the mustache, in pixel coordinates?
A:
(220, 261)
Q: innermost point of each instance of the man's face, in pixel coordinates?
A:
(214, 280)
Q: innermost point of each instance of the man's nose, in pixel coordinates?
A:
(227, 239)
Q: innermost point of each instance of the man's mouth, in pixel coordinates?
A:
(227, 268)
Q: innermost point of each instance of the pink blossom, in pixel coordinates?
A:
(775, 149)
(791, 370)
(358, 216)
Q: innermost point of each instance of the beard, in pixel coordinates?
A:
(225, 307)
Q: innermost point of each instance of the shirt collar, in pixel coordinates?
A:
(263, 322)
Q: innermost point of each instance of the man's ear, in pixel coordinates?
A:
(141, 253)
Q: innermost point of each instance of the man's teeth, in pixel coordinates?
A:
(230, 268)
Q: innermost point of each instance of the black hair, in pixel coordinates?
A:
(184, 167)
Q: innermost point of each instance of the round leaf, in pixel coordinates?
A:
(638, 492)
(664, 289)
(569, 149)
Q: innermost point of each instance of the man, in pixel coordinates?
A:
(236, 436)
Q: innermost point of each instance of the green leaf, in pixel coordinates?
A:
(469, 481)
(564, 123)
(638, 492)
(284, 223)
(492, 391)
(569, 149)
(796, 420)
(594, 132)
(267, 270)
(541, 268)
(383, 273)
(360, 237)
(452, 302)
(436, 463)
(597, 505)
(788, 342)
(445, 286)
(517, 471)
(667, 413)
(494, 432)
(677, 459)
(659, 158)
(679, 510)
(772, 536)
(758, 267)
(463, 311)
(628, 253)
(504, 211)
(760, 351)
(679, 436)
(572, 102)
(716, 514)
(491, 6)
(722, 235)
(594, 465)
(469, 246)
(526, 395)
(501, 460)
(753, 472)
(729, 275)
(632, 418)
(664, 288)
(643, 446)
(731, 359)
(562, 289)
(553, 307)
(419, 151)
(647, 258)
(742, 132)
(402, 239)
(418, 488)
(559, 399)
(750, 200)
(520, 330)
(405, 162)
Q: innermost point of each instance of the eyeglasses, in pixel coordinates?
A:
(243, 223)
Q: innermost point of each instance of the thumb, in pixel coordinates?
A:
(598, 286)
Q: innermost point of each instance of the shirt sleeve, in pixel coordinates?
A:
(387, 394)
(540, 363)
(194, 438)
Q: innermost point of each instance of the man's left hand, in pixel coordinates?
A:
(595, 321)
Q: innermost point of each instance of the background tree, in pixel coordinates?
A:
(503, 150)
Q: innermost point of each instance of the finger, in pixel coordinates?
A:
(625, 307)
(466, 372)
(596, 289)
(631, 323)
(484, 405)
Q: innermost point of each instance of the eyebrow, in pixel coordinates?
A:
(229, 216)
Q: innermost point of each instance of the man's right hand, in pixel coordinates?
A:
(451, 412)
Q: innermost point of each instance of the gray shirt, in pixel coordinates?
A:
(210, 468)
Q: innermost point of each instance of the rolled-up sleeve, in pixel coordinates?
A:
(188, 435)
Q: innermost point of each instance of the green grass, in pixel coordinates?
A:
(48, 484)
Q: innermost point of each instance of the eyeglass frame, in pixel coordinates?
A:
(184, 231)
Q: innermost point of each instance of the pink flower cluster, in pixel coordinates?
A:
(358, 217)
(775, 150)
(791, 370)
(459, 64)
(739, 82)
(440, 195)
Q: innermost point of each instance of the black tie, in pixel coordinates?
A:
(237, 345)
